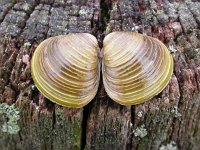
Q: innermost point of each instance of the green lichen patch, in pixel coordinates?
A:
(76, 135)
(147, 16)
(108, 28)
(14, 1)
(67, 130)
(9, 117)
(192, 53)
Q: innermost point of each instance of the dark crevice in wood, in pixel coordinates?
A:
(86, 111)
(133, 114)
(92, 23)
(53, 118)
(133, 117)
(105, 6)
(20, 136)
(34, 94)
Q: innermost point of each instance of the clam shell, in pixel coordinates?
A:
(135, 67)
(65, 69)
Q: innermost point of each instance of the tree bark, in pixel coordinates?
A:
(169, 120)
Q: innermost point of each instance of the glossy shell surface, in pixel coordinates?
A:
(135, 67)
(65, 69)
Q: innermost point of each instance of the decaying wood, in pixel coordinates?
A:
(169, 120)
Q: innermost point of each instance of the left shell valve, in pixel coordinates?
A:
(65, 69)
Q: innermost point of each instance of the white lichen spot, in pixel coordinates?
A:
(140, 114)
(197, 49)
(172, 48)
(170, 146)
(136, 28)
(115, 6)
(25, 6)
(83, 12)
(33, 87)
(157, 108)
(131, 125)
(140, 131)
(37, 108)
(174, 111)
(27, 45)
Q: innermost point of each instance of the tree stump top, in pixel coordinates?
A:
(170, 119)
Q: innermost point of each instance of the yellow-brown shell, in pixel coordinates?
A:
(135, 67)
(65, 69)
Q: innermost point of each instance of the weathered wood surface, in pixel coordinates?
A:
(169, 120)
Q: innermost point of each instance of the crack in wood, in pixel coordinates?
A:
(86, 113)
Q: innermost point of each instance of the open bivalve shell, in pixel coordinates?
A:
(65, 69)
(135, 67)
